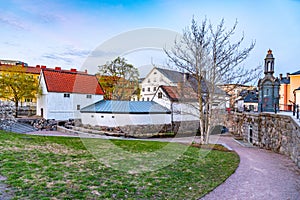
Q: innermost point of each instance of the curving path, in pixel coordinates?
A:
(261, 174)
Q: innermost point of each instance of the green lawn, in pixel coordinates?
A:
(73, 168)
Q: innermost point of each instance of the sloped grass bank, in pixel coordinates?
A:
(67, 168)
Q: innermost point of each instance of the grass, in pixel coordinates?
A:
(72, 168)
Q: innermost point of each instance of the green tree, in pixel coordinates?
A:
(16, 85)
(209, 55)
(118, 79)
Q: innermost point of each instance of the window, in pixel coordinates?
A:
(28, 100)
(154, 80)
(148, 89)
(89, 96)
(154, 89)
(112, 116)
(148, 99)
(148, 80)
(78, 107)
(102, 116)
(143, 89)
(66, 95)
(155, 73)
(159, 95)
(143, 99)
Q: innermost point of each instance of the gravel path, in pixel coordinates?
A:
(261, 175)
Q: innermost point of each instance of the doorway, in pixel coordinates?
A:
(250, 135)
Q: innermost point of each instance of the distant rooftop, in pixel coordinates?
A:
(285, 80)
(296, 73)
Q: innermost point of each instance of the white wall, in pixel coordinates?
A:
(63, 108)
(153, 79)
(297, 97)
(113, 120)
(185, 111)
(182, 111)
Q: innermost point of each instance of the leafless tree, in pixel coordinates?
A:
(208, 54)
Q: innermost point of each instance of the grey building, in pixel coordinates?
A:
(268, 87)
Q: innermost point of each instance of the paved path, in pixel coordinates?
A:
(261, 174)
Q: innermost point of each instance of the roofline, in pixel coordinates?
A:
(140, 113)
(42, 74)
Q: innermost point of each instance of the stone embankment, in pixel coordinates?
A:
(279, 133)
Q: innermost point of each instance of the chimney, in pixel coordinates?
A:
(280, 76)
(85, 71)
(288, 75)
(73, 70)
(43, 67)
(57, 68)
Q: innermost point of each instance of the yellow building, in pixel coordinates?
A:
(32, 72)
(289, 91)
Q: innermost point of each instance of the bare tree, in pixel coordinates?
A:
(208, 55)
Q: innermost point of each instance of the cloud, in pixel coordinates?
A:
(76, 52)
(103, 53)
(14, 22)
(68, 55)
(58, 58)
(10, 43)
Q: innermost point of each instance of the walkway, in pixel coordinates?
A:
(261, 174)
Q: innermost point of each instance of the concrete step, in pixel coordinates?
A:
(21, 128)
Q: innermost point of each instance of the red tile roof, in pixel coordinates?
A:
(180, 93)
(33, 70)
(58, 81)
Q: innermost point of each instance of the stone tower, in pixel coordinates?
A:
(268, 96)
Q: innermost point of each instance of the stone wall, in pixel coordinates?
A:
(184, 128)
(275, 132)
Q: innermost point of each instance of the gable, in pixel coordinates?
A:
(156, 73)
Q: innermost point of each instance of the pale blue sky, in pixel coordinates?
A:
(64, 32)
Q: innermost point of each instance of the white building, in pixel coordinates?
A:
(182, 101)
(157, 77)
(65, 93)
(120, 113)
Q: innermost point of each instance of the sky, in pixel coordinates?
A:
(73, 33)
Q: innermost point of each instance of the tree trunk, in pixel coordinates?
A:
(17, 107)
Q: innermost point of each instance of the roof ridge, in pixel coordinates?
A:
(67, 72)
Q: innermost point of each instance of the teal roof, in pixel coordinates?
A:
(126, 107)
